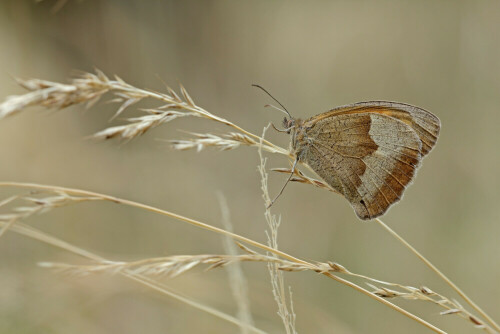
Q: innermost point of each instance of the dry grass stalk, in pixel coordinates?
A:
(237, 280)
(285, 305)
(297, 262)
(89, 88)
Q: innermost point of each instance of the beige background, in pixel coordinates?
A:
(441, 55)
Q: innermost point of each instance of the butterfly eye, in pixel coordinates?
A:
(285, 123)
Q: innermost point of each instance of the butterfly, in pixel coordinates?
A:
(368, 152)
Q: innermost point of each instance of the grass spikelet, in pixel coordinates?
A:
(171, 266)
(200, 141)
(33, 204)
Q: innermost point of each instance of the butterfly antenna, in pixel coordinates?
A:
(288, 180)
(286, 111)
(274, 107)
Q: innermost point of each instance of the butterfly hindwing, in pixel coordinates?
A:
(373, 156)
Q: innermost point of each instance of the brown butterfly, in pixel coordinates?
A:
(369, 152)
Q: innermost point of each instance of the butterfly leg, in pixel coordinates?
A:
(275, 128)
(288, 180)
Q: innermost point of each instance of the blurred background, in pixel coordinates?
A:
(443, 56)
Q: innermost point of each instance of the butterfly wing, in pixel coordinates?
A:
(424, 123)
(371, 155)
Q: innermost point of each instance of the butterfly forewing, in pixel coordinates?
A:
(424, 123)
(368, 151)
